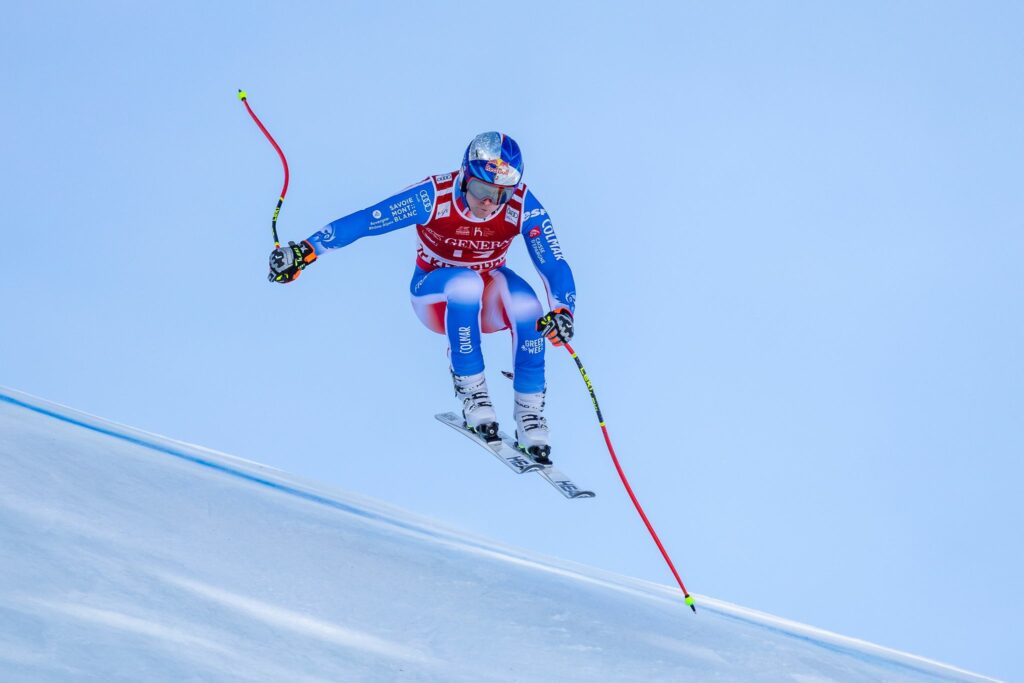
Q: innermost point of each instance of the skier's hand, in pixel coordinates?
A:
(286, 263)
(557, 326)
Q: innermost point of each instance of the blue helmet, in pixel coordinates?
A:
(493, 158)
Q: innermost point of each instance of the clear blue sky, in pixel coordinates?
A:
(796, 231)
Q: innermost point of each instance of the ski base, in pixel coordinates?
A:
(517, 461)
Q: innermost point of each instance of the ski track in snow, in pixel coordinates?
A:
(301, 624)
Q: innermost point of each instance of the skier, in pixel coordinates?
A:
(465, 222)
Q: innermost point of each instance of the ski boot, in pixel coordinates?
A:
(531, 427)
(477, 409)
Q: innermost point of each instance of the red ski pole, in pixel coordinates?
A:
(625, 482)
(284, 190)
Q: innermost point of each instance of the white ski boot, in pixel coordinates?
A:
(477, 409)
(531, 427)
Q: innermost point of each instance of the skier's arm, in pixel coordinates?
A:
(542, 243)
(409, 207)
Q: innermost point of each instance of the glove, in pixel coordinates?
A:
(557, 326)
(286, 263)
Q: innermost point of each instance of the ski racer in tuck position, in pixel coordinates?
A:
(465, 222)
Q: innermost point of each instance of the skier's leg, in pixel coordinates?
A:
(448, 301)
(521, 309)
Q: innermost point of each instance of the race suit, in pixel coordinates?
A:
(460, 285)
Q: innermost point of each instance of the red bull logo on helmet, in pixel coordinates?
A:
(497, 166)
(504, 173)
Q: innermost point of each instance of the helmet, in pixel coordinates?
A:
(493, 158)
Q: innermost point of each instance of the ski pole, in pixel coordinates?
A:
(284, 190)
(625, 482)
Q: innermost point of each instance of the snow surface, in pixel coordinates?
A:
(132, 557)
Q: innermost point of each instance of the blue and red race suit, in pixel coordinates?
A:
(461, 286)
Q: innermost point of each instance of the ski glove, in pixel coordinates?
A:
(557, 326)
(286, 263)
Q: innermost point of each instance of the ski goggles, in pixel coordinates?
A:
(499, 194)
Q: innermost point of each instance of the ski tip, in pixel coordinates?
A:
(689, 601)
(241, 94)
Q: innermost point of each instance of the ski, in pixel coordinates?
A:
(517, 461)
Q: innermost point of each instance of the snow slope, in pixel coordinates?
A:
(132, 557)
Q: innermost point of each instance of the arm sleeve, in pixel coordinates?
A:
(542, 243)
(411, 206)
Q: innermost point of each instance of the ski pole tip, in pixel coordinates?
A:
(689, 601)
(242, 94)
